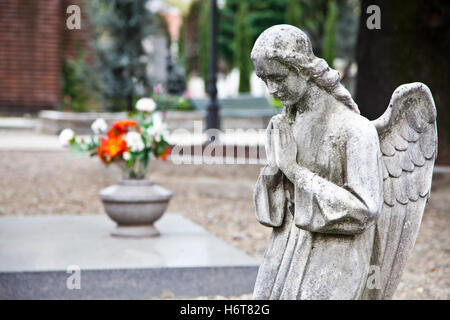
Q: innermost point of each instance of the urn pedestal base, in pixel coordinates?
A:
(135, 231)
(135, 205)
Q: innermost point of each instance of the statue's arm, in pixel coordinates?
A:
(269, 198)
(328, 208)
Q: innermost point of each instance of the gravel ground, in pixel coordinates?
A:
(217, 197)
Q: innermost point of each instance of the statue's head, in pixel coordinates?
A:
(284, 60)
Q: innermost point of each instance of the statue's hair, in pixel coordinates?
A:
(290, 45)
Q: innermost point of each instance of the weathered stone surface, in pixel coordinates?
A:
(345, 196)
(135, 204)
(186, 260)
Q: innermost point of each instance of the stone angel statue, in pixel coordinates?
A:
(344, 195)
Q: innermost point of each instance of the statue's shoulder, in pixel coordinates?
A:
(353, 124)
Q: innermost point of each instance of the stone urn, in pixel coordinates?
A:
(135, 205)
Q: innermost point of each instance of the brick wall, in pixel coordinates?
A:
(70, 39)
(33, 38)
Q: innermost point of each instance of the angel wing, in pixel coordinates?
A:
(408, 142)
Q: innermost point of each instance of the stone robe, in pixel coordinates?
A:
(323, 223)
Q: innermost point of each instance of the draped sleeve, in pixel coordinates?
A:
(269, 197)
(323, 206)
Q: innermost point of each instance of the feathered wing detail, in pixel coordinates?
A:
(408, 142)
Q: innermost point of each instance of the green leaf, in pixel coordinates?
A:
(146, 159)
(76, 149)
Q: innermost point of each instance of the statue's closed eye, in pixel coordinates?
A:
(271, 77)
(278, 78)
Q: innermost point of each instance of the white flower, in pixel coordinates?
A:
(134, 141)
(158, 127)
(146, 105)
(65, 136)
(126, 156)
(99, 126)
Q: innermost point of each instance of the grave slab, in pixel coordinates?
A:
(185, 261)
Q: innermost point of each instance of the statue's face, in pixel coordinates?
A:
(283, 83)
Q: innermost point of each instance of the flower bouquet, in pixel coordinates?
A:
(135, 203)
(129, 143)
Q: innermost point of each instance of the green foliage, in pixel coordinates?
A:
(181, 45)
(309, 15)
(80, 146)
(74, 88)
(77, 149)
(313, 22)
(173, 102)
(261, 15)
(294, 13)
(184, 104)
(120, 27)
(205, 35)
(329, 40)
(242, 44)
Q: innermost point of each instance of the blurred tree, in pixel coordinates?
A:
(191, 37)
(261, 15)
(309, 15)
(120, 27)
(242, 45)
(75, 91)
(313, 22)
(264, 14)
(413, 44)
(205, 34)
(175, 83)
(294, 13)
(347, 28)
(329, 39)
(181, 44)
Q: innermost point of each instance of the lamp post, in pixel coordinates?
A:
(213, 117)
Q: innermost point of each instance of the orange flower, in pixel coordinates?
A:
(110, 147)
(120, 127)
(165, 153)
